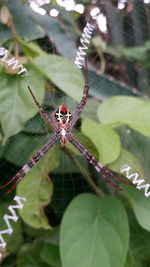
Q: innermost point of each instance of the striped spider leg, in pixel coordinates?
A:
(102, 170)
(50, 121)
(27, 167)
(62, 123)
(82, 103)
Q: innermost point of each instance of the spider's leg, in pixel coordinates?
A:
(103, 171)
(113, 184)
(27, 167)
(83, 100)
(11, 189)
(106, 171)
(42, 112)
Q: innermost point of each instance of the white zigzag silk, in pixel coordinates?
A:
(85, 40)
(13, 62)
(7, 219)
(134, 177)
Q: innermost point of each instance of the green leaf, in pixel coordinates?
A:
(31, 49)
(86, 142)
(128, 262)
(89, 228)
(34, 232)
(104, 138)
(127, 157)
(23, 145)
(16, 103)
(25, 26)
(69, 79)
(62, 36)
(138, 145)
(37, 188)
(124, 110)
(50, 250)
(140, 204)
(139, 250)
(29, 256)
(50, 254)
(62, 73)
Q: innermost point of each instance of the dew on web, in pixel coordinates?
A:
(55, 38)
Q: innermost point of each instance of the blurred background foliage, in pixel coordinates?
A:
(100, 227)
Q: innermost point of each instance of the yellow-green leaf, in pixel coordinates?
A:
(126, 110)
(37, 188)
(89, 228)
(104, 138)
(16, 103)
(61, 72)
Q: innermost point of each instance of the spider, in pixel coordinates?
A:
(62, 122)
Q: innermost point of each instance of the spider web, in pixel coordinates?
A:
(112, 34)
(67, 179)
(94, 84)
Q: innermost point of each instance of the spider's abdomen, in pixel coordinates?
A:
(62, 114)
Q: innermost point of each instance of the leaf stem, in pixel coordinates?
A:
(84, 172)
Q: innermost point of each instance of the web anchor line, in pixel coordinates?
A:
(135, 179)
(12, 216)
(84, 40)
(13, 63)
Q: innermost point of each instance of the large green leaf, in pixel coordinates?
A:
(61, 72)
(124, 110)
(68, 78)
(16, 103)
(104, 138)
(37, 188)
(94, 233)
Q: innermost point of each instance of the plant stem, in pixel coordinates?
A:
(84, 172)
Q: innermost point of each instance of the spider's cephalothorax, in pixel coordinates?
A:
(62, 115)
(62, 123)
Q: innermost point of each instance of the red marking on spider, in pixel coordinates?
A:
(63, 108)
(62, 123)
